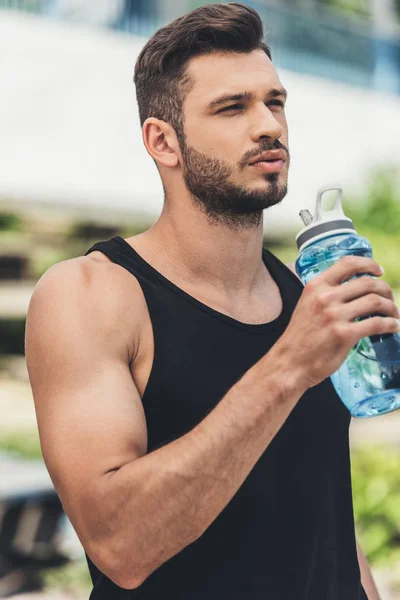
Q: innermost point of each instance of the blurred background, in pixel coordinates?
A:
(73, 171)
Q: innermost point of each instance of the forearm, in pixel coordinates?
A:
(160, 503)
(366, 576)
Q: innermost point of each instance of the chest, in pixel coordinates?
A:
(263, 308)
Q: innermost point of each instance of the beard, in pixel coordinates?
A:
(223, 202)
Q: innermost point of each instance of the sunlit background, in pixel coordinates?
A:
(73, 171)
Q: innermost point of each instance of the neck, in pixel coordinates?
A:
(186, 245)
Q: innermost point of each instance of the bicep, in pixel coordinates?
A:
(90, 416)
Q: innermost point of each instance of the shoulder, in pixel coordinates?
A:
(93, 278)
(93, 291)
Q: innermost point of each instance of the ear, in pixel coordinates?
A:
(160, 141)
(293, 268)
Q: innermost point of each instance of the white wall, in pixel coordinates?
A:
(69, 128)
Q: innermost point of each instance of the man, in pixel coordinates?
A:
(181, 376)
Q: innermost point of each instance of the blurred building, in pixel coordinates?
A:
(68, 115)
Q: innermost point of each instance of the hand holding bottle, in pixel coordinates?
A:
(368, 379)
(323, 330)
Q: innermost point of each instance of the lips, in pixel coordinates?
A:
(273, 166)
(271, 156)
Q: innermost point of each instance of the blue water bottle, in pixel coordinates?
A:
(368, 381)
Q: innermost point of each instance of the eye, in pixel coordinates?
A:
(276, 103)
(232, 107)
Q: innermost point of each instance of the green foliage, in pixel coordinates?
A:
(10, 222)
(380, 209)
(12, 333)
(377, 217)
(46, 257)
(287, 254)
(386, 251)
(376, 496)
(24, 444)
(73, 577)
(355, 7)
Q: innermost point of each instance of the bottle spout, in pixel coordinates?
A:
(306, 217)
(324, 222)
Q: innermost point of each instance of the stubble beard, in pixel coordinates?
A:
(223, 202)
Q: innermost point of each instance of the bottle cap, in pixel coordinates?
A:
(324, 222)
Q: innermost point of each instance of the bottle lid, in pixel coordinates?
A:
(324, 222)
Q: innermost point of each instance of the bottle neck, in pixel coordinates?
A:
(323, 227)
(323, 235)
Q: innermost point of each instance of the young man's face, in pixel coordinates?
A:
(223, 138)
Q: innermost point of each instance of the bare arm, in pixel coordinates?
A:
(366, 576)
(132, 510)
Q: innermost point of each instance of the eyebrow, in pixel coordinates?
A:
(274, 93)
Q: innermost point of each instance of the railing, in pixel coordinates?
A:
(335, 49)
(300, 40)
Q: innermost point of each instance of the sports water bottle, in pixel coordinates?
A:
(368, 381)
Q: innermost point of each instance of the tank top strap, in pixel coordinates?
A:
(152, 288)
(117, 252)
(290, 285)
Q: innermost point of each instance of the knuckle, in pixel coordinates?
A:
(331, 314)
(381, 287)
(379, 324)
(387, 290)
(323, 299)
(378, 302)
(372, 285)
(311, 286)
(339, 332)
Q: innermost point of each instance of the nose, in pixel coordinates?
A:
(266, 125)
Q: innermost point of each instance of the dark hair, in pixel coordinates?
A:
(161, 78)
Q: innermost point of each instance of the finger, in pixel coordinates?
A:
(371, 304)
(374, 326)
(348, 266)
(362, 286)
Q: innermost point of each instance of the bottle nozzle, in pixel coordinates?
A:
(306, 217)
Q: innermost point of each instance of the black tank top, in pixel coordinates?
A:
(288, 532)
